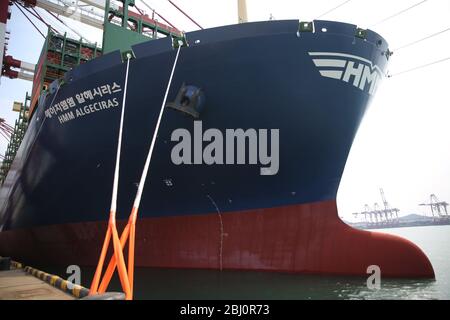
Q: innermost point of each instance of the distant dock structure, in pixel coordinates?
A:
(377, 216)
(438, 208)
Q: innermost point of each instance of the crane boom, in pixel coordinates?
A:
(77, 12)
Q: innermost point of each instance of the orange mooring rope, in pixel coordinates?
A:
(112, 228)
(129, 233)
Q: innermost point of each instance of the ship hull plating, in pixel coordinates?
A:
(308, 238)
(256, 76)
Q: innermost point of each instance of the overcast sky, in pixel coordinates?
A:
(403, 144)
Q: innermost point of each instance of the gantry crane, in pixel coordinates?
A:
(438, 208)
(377, 215)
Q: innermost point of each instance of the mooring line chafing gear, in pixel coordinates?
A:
(126, 276)
(112, 228)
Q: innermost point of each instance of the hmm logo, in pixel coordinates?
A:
(348, 68)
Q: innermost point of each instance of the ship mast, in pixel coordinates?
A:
(242, 11)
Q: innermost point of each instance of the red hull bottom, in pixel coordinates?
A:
(307, 238)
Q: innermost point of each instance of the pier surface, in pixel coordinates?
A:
(19, 285)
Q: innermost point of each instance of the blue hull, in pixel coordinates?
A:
(259, 75)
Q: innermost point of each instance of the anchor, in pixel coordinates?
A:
(190, 100)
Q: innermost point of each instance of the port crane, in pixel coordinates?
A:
(15, 68)
(89, 12)
(438, 208)
(61, 53)
(390, 213)
(377, 215)
(368, 213)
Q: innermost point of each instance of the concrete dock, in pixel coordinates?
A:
(19, 285)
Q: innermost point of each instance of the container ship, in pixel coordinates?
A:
(310, 81)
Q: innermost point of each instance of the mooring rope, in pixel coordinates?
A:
(137, 200)
(119, 143)
(126, 275)
(112, 229)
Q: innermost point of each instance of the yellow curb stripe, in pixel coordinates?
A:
(76, 291)
(64, 285)
(53, 280)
